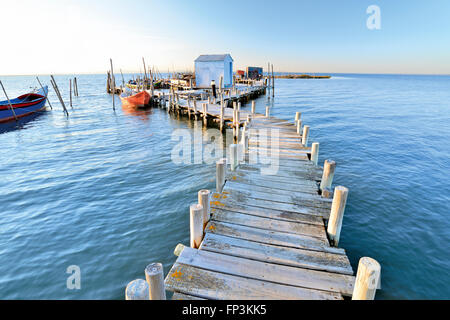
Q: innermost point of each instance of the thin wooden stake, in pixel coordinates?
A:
(46, 97)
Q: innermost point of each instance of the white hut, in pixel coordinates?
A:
(210, 67)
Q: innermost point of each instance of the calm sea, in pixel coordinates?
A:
(99, 190)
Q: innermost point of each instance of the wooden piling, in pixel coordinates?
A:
(137, 290)
(305, 135)
(221, 167)
(337, 214)
(233, 156)
(253, 106)
(298, 116)
(203, 200)
(328, 174)
(367, 279)
(154, 274)
(196, 225)
(315, 153)
(299, 126)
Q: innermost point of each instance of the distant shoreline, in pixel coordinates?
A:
(301, 76)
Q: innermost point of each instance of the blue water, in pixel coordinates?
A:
(99, 189)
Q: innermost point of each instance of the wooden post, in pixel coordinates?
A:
(267, 112)
(367, 279)
(233, 156)
(305, 136)
(196, 224)
(336, 215)
(70, 92)
(299, 126)
(239, 105)
(137, 290)
(76, 85)
(58, 94)
(195, 109)
(298, 116)
(154, 274)
(315, 153)
(113, 85)
(273, 83)
(203, 200)
(205, 110)
(253, 106)
(328, 174)
(37, 78)
(179, 249)
(221, 167)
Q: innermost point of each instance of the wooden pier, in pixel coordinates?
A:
(264, 236)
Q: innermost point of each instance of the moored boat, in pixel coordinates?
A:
(23, 105)
(139, 99)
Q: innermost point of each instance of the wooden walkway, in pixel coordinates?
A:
(262, 236)
(266, 237)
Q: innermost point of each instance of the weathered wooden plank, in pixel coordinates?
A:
(243, 219)
(269, 237)
(243, 173)
(281, 144)
(296, 174)
(258, 270)
(214, 285)
(293, 207)
(230, 205)
(317, 260)
(298, 198)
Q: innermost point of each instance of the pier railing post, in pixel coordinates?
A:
(154, 274)
(203, 200)
(327, 176)
(221, 167)
(298, 116)
(267, 111)
(299, 126)
(253, 106)
(233, 157)
(315, 153)
(137, 290)
(305, 135)
(367, 279)
(196, 225)
(337, 214)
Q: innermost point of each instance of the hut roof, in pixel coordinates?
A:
(213, 57)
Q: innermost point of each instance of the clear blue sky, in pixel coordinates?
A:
(303, 36)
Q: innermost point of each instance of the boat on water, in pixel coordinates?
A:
(24, 105)
(140, 99)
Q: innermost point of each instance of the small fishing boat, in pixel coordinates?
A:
(23, 105)
(139, 99)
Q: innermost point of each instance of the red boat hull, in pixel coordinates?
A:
(139, 99)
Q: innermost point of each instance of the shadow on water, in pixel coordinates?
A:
(21, 123)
